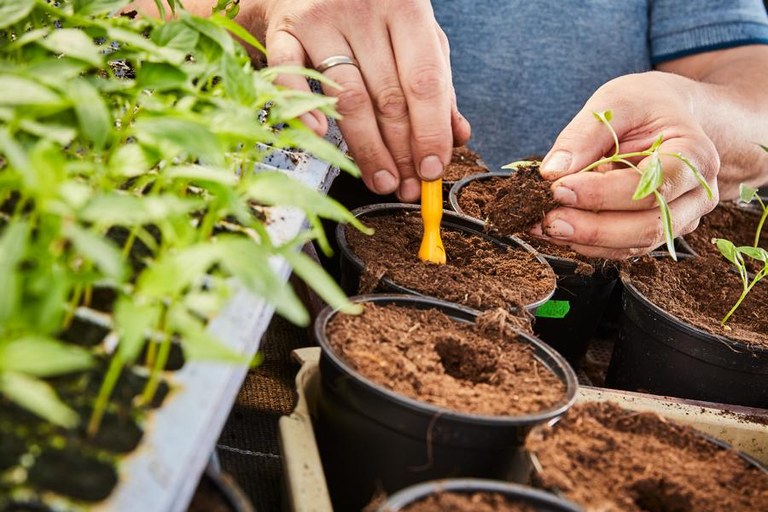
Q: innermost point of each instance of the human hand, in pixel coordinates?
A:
(598, 216)
(399, 109)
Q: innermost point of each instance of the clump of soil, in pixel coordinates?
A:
(478, 199)
(727, 220)
(427, 356)
(464, 162)
(478, 274)
(476, 502)
(701, 291)
(607, 458)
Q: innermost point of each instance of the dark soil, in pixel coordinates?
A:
(464, 162)
(731, 222)
(473, 368)
(461, 502)
(606, 458)
(478, 274)
(478, 199)
(701, 291)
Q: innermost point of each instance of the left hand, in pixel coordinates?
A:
(598, 216)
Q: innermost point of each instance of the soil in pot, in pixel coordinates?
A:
(481, 273)
(464, 162)
(466, 502)
(606, 458)
(425, 355)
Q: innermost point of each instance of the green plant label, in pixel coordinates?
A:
(553, 309)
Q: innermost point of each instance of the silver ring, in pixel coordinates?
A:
(335, 60)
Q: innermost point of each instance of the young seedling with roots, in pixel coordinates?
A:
(651, 176)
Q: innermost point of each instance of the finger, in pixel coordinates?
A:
(358, 122)
(425, 77)
(286, 50)
(462, 130)
(608, 253)
(622, 229)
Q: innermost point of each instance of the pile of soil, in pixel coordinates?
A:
(522, 200)
(464, 162)
(606, 458)
(474, 502)
(478, 199)
(701, 291)
(478, 273)
(729, 221)
(477, 368)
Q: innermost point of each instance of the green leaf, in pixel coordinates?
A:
(315, 276)
(519, 163)
(175, 34)
(746, 193)
(173, 272)
(131, 39)
(271, 72)
(696, 172)
(160, 76)
(54, 70)
(97, 249)
(20, 91)
(237, 81)
(42, 357)
(728, 250)
(134, 321)
(298, 136)
(756, 253)
(92, 114)
(275, 188)
(61, 134)
(604, 117)
(75, 44)
(765, 148)
(124, 210)
(38, 397)
(210, 30)
(197, 342)
(651, 178)
(657, 143)
(293, 105)
(94, 7)
(13, 245)
(13, 11)
(198, 174)
(182, 135)
(232, 26)
(666, 221)
(129, 160)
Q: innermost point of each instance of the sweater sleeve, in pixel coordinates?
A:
(679, 29)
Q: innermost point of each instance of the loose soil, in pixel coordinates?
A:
(606, 458)
(478, 274)
(464, 162)
(423, 354)
(729, 221)
(478, 199)
(522, 200)
(464, 502)
(701, 291)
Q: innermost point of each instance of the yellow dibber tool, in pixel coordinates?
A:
(432, 213)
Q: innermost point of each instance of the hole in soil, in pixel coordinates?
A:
(659, 495)
(462, 360)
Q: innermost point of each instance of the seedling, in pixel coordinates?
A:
(748, 194)
(736, 256)
(651, 176)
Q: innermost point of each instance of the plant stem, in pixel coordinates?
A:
(760, 225)
(744, 293)
(614, 158)
(105, 392)
(154, 378)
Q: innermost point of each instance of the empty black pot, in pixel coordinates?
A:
(372, 439)
(658, 353)
(533, 499)
(352, 266)
(569, 319)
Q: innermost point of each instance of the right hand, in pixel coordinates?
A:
(399, 111)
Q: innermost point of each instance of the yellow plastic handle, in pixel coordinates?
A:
(432, 213)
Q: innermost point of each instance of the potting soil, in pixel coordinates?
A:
(465, 502)
(464, 162)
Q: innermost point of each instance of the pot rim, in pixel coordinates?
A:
(416, 492)
(568, 375)
(361, 212)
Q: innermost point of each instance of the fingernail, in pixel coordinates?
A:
(410, 190)
(384, 182)
(564, 196)
(310, 121)
(559, 229)
(431, 168)
(556, 163)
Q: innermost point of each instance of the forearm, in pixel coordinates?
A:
(730, 101)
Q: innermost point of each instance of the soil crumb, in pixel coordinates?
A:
(701, 291)
(479, 274)
(465, 502)
(609, 459)
(427, 356)
(464, 162)
(522, 200)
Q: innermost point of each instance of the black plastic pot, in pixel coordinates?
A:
(658, 353)
(372, 439)
(532, 498)
(352, 266)
(569, 319)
